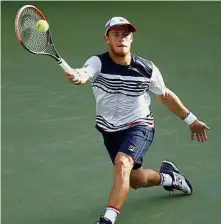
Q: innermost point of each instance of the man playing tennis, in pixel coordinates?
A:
(121, 82)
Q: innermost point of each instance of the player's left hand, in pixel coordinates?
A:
(199, 128)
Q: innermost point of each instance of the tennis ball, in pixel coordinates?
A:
(42, 26)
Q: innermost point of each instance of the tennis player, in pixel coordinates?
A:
(121, 82)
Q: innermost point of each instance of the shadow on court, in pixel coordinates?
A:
(89, 214)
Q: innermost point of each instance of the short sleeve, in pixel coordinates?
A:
(157, 84)
(93, 67)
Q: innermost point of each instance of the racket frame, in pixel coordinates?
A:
(63, 64)
(56, 56)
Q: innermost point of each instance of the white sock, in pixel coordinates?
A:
(166, 180)
(111, 214)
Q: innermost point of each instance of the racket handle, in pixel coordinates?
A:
(64, 65)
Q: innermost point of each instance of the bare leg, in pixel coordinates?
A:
(144, 178)
(124, 178)
(120, 189)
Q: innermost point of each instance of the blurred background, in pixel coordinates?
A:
(55, 168)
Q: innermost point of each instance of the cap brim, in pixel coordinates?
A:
(131, 27)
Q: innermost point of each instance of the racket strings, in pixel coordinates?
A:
(33, 39)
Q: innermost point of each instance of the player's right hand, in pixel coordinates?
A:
(71, 77)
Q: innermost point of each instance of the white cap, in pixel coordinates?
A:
(118, 21)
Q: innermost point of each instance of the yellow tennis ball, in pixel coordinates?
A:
(42, 26)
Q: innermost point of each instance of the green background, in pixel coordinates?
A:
(54, 166)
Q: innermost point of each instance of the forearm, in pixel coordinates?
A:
(174, 104)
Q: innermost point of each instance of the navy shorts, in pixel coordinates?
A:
(134, 142)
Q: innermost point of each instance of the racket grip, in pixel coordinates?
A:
(64, 65)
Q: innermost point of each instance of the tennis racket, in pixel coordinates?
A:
(35, 42)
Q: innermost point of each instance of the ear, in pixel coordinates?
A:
(131, 37)
(106, 39)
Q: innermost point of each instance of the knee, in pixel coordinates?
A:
(135, 185)
(137, 179)
(123, 164)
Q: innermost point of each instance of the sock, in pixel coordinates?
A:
(111, 213)
(166, 180)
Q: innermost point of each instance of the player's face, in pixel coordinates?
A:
(119, 41)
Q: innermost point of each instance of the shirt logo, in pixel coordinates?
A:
(139, 84)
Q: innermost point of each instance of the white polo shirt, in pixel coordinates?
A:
(122, 92)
